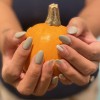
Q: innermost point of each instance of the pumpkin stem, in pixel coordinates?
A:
(53, 18)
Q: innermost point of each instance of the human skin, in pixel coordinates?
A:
(88, 30)
(38, 78)
(13, 50)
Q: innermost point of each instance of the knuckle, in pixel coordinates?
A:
(45, 79)
(12, 74)
(21, 91)
(34, 74)
(48, 71)
(23, 54)
(85, 81)
(93, 70)
(4, 76)
(90, 71)
(70, 73)
(72, 58)
(93, 54)
(24, 91)
(8, 75)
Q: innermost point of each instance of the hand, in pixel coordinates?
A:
(74, 66)
(38, 78)
(83, 59)
(90, 49)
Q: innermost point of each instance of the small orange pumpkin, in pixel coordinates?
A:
(46, 36)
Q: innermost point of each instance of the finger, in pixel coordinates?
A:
(45, 79)
(20, 35)
(20, 56)
(13, 68)
(31, 78)
(15, 39)
(65, 80)
(54, 83)
(70, 73)
(87, 50)
(83, 65)
(78, 27)
(12, 41)
(80, 46)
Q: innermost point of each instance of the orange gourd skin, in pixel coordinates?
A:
(46, 37)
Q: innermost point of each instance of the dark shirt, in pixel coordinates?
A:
(31, 12)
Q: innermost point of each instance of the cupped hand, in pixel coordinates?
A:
(74, 66)
(81, 53)
(38, 79)
(89, 48)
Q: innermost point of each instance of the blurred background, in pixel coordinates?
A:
(98, 98)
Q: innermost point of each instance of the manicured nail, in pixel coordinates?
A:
(51, 62)
(72, 30)
(92, 78)
(65, 39)
(55, 80)
(39, 57)
(59, 48)
(61, 76)
(58, 61)
(20, 34)
(27, 44)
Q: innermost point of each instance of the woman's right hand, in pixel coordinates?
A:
(38, 78)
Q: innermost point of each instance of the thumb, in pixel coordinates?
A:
(78, 27)
(15, 38)
(11, 41)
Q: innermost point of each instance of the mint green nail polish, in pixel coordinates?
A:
(61, 76)
(20, 34)
(59, 48)
(39, 57)
(65, 39)
(72, 30)
(51, 62)
(55, 80)
(58, 61)
(27, 43)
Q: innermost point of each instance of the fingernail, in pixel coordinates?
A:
(55, 80)
(27, 44)
(65, 39)
(72, 30)
(92, 78)
(58, 61)
(61, 76)
(39, 57)
(51, 62)
(20, 34)
(59, 48)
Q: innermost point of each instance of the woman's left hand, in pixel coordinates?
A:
(80, 56)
